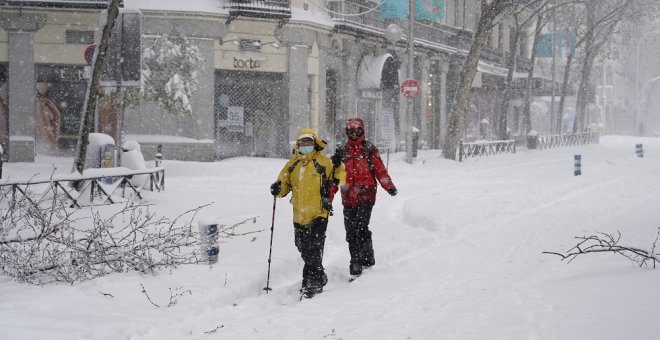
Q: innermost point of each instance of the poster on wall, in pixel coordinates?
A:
(235, 118)
(388, 132)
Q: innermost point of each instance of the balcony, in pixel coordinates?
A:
(269, 9)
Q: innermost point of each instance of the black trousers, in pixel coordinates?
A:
(358, 235)
(310, 240)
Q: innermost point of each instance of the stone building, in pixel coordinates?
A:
(271, 67)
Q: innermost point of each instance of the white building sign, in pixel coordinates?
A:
(235, 119)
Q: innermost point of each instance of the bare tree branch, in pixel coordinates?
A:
(609, 243)
(51, 242)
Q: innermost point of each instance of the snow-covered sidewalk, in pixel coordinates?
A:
(458, 252)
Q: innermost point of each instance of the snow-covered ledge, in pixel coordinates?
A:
(175, 147)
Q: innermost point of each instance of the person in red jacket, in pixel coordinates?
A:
(363, 168)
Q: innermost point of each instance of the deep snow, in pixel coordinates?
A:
(458, 251)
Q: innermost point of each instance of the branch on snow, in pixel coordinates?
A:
(609, 243)
(51, 242)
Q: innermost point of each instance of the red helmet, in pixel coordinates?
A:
(354, 128)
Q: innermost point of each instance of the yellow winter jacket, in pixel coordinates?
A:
(303, 176)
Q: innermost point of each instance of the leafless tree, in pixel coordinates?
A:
(91, 97)
(491, 12)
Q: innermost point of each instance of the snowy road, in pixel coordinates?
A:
(458, 251)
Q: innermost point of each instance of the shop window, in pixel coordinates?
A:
(80, 37)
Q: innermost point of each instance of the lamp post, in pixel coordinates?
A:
(645, 97)
(411, 60)
(639, 44)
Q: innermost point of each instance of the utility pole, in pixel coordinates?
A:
(411, 60)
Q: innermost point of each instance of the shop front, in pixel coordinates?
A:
(60, 96)
(250, 112)
(378, 84)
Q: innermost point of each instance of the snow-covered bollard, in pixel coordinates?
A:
(578, 165)
(639, 150)
(131, 158)
(532, 139)
(208, 237)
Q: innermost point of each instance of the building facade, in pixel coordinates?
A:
(270, 68)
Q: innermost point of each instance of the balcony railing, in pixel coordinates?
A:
(271, 9)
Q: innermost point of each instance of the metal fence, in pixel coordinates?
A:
(92, 189)
(546, 142)
(476, 149)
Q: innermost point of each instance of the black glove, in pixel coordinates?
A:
(327, 205)
(336, 158)
(275, 188)
(392, 191)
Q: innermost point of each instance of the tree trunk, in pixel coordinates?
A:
(585, 73)
(502, 119)
(564, 91)
(90, 100)
(460, 101)
(527, 115)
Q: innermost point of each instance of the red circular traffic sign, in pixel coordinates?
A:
(89, 54)
(410, 88)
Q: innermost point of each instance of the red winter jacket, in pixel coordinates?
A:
(360, 184)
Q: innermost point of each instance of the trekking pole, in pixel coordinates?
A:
(270, 252)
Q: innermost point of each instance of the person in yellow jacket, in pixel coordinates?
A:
(312, 178)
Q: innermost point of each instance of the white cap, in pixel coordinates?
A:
(306, 136)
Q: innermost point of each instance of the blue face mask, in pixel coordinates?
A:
(306, 149)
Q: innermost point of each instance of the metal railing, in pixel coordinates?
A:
(546, 142)
(476, 149)
(93, 189)
(273, 9)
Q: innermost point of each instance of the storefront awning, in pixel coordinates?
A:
(490, 69)
(370, 71)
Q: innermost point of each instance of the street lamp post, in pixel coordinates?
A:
(411, 60)
(639, 44)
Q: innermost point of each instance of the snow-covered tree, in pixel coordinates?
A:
(169, 72)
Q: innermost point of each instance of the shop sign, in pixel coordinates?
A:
(250, 63)
(372, 94)
(235, 118)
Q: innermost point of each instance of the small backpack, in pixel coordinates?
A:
(367, 146)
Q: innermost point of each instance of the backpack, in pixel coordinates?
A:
(367, 146)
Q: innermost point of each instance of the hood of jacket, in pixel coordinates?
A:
(319, 144)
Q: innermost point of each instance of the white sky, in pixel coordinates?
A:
(458, 256)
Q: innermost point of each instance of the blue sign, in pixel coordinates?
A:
(564, 45)
(425, 9)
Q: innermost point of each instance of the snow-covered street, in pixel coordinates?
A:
(459, 255)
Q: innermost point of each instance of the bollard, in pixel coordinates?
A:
(578, 165)
(208, 237)
(639, 150)
(159, 155)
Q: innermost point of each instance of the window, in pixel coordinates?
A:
(80, 37)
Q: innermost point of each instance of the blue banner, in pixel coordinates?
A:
(425, 9)
(564, 45)
(430, 10)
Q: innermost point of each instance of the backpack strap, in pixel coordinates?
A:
(293, 166)
(367, 146)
